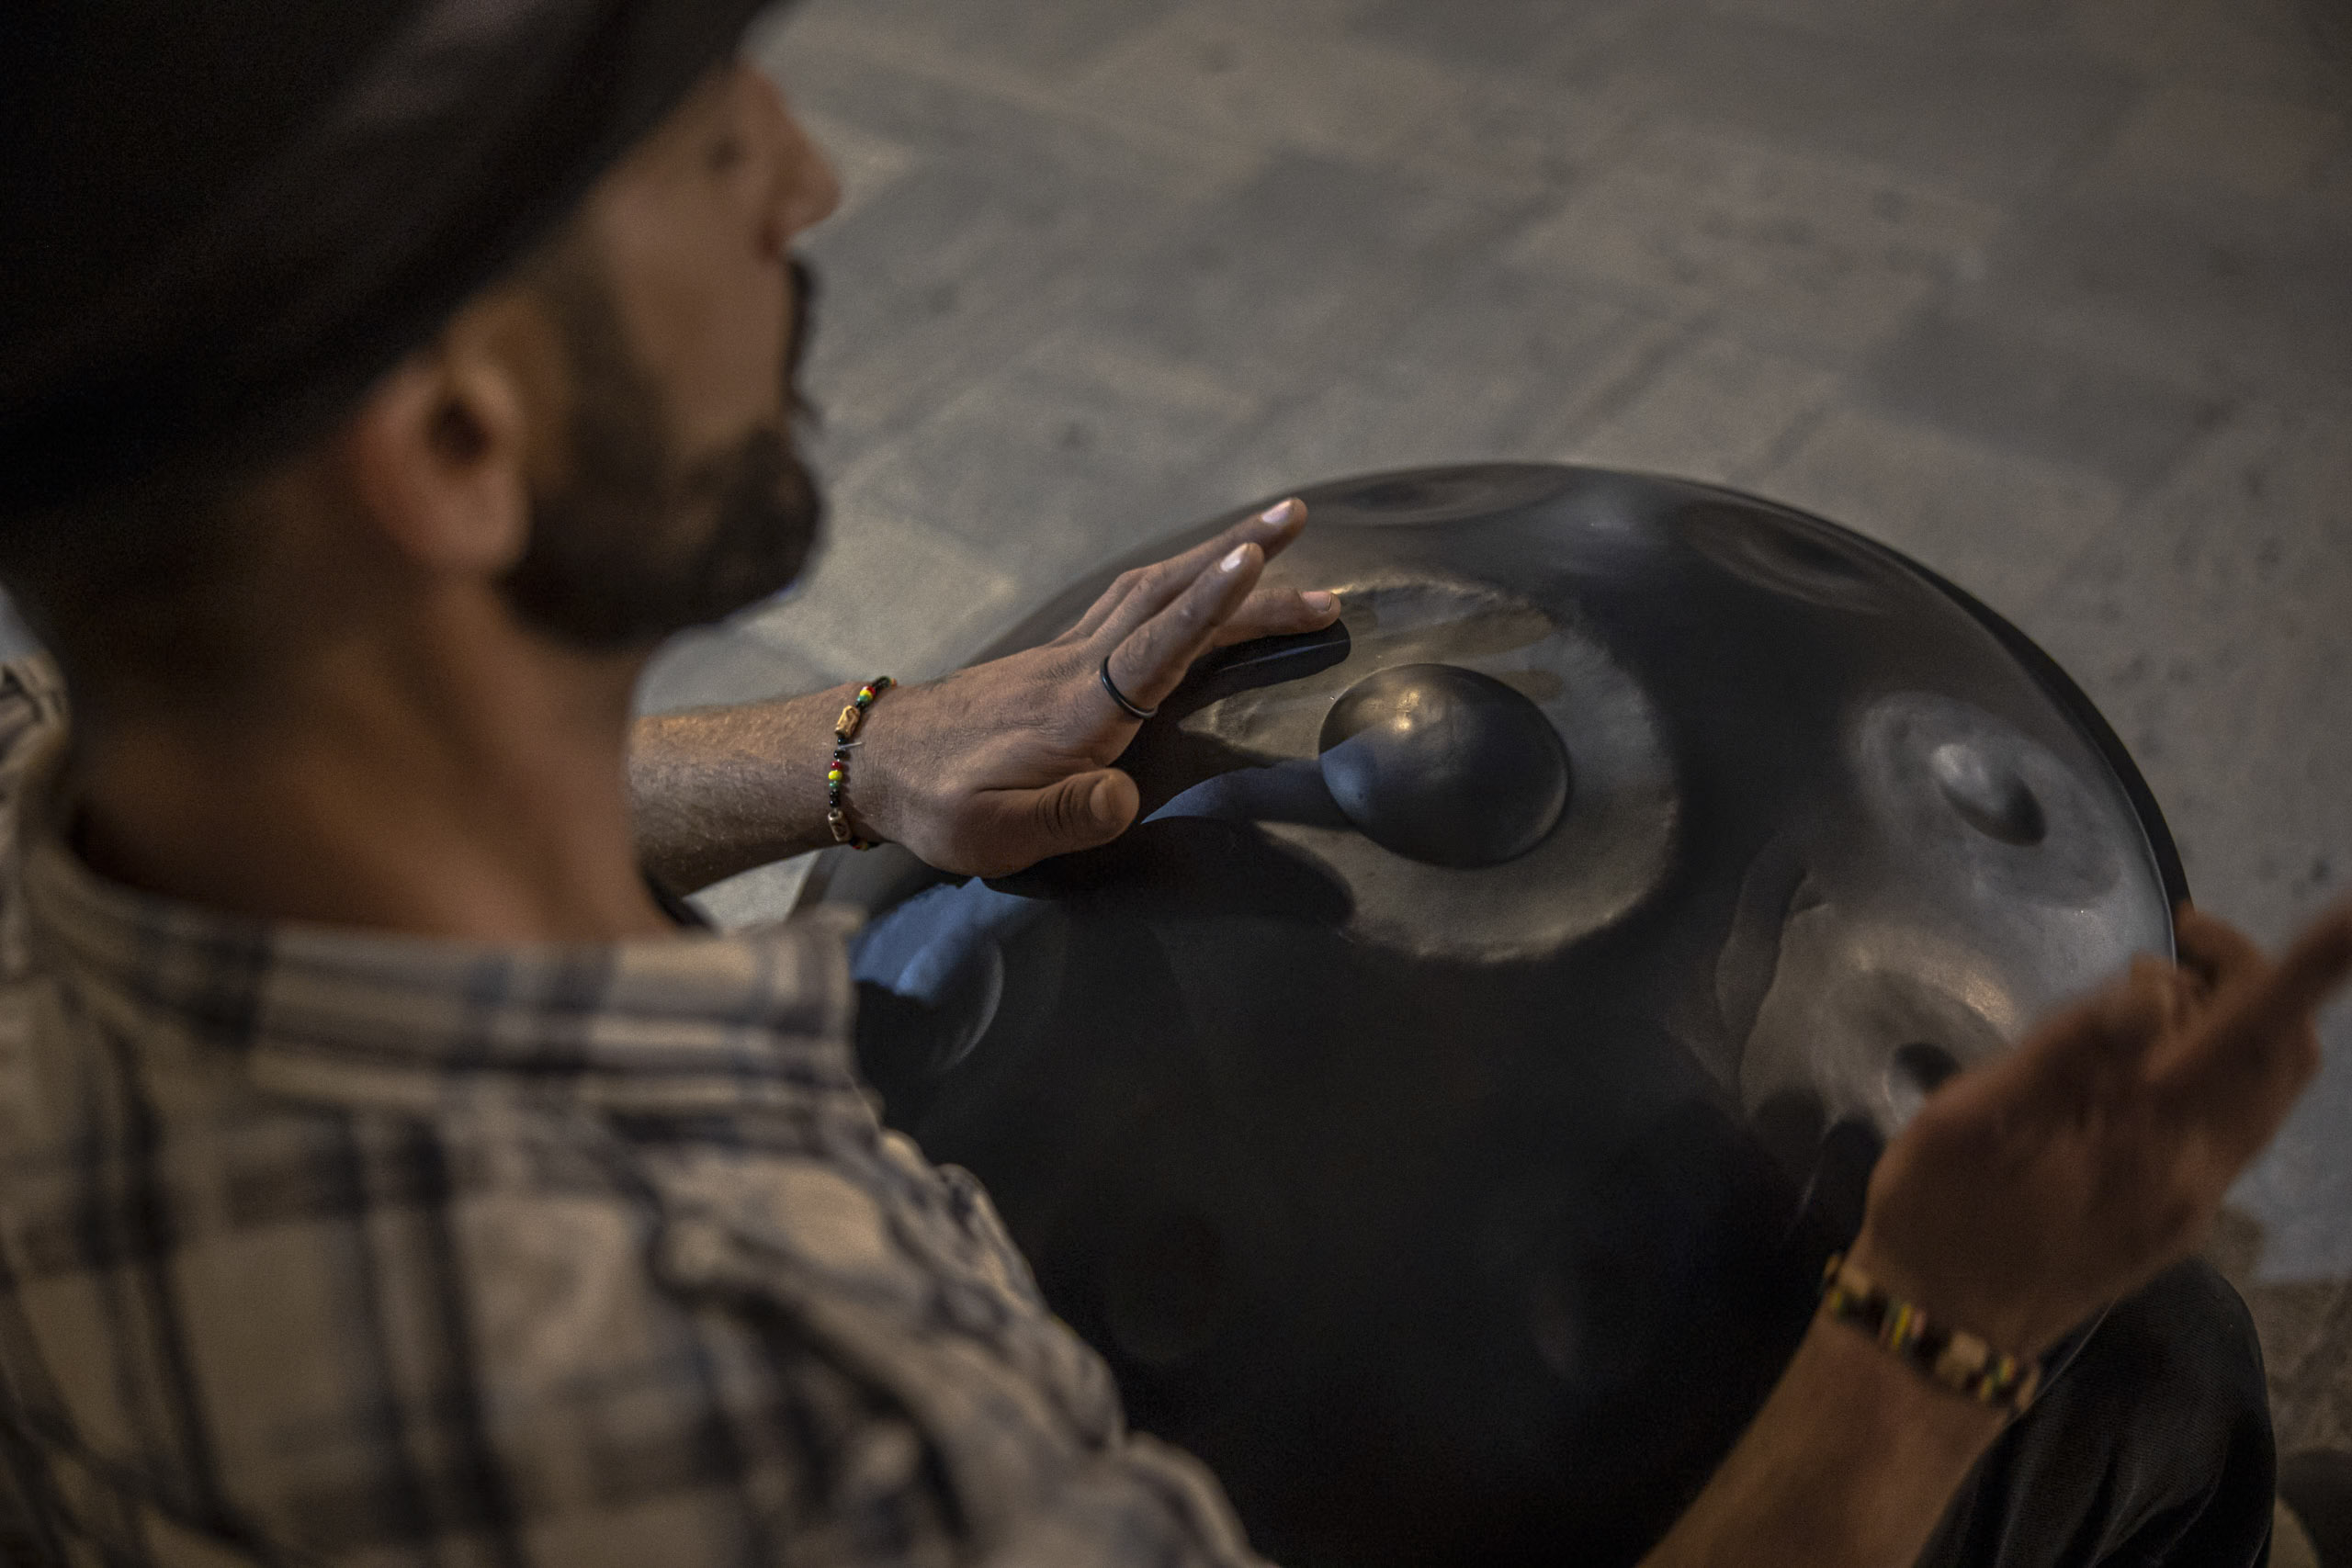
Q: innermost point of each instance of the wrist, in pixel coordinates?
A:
(856, 815)
(1891, 1401)
(1945, 1353)
(2012, 1322)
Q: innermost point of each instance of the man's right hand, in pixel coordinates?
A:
(2030, 1193)
(2021, 1199)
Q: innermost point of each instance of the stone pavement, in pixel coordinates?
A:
(2056, 294)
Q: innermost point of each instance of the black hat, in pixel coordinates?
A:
(220, 220)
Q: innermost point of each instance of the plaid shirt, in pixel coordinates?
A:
(325, 1246)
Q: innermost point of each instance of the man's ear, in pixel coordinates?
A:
(440, 457)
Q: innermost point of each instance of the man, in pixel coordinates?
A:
(389, 1178)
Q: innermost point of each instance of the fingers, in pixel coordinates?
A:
(1122, 586)
(2316, 964)
(2241, 1067)
(2215, 951)
(1140, 595)
(2261, 1004)
(1082, 812)
(1075, 813)
(1277, 612)
(1150, 663)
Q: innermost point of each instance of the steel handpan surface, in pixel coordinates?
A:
(1463, 1212)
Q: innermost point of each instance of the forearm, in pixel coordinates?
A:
(1850, 1464)
(716, 791)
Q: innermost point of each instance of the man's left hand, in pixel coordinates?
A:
(1004, 764)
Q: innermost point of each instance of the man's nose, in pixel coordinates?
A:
(806, 190)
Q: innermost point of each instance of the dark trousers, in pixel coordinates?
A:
(2153, 1448)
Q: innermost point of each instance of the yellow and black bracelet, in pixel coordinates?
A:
(1958, 1360)
(837, 776)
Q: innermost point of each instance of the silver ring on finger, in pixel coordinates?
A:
(1120, 697)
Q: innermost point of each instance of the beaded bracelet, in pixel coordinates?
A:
(1959, 1361)
(837, 776)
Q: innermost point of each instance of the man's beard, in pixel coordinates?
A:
(633, 546)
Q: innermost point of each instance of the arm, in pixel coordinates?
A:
(1850, 1464)
(2022, 1196)
(987, 771)
(716, 791)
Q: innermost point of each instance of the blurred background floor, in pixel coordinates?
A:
(2054, 295)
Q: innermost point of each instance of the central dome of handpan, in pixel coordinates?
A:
(1444, 764)
(1438, 1110)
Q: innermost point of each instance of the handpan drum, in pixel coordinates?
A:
(1440, 1108)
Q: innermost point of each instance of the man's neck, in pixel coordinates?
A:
(470, 789)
